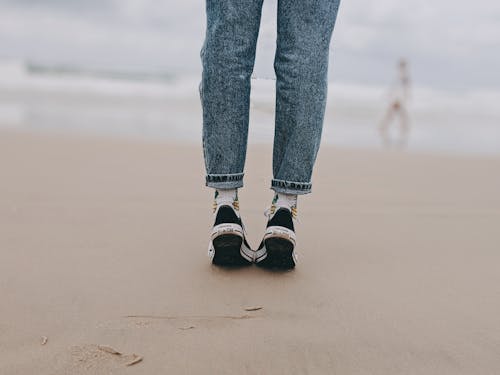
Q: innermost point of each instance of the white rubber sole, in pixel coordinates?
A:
(228, 246)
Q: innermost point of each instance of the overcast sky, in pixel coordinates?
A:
(450, 44)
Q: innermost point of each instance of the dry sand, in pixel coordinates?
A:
(103, 242)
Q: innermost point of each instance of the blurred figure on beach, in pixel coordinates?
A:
(399, 95)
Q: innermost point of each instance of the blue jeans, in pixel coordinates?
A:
(301, 65)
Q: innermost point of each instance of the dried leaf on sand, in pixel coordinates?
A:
(108, 349)
(135, 359)
(253, 308)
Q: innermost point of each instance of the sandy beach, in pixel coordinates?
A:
(103, 242)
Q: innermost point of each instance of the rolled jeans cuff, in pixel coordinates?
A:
(291, 187)
(224, 181)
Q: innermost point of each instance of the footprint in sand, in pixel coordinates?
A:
(99, 359)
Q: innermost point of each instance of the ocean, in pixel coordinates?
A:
(165, 106)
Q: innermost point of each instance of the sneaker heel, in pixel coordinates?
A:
(227, 250)
(280, 253)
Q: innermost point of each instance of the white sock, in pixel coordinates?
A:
(226, 196)
(285, 200)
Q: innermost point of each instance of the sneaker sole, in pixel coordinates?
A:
(228, 251)
(279, 254)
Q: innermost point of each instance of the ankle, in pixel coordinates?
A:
(228, 197)
(283, 200)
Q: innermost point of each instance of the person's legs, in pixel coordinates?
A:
(228, 56)
(301, 65)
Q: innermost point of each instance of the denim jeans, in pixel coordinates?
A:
(301, 65)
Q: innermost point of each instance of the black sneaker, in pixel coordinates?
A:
(228, 245)
(277, 249)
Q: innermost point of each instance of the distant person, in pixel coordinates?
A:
(301, 64)
(399, 95)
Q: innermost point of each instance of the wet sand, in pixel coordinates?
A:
(103, 242)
